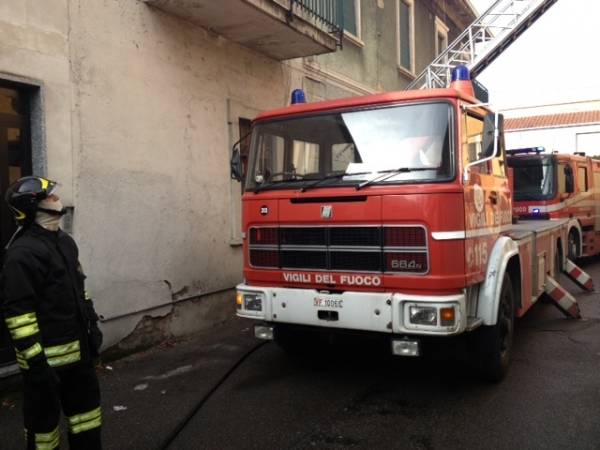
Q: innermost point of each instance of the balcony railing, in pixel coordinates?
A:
(328, 13)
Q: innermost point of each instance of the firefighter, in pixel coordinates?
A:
(51, 320)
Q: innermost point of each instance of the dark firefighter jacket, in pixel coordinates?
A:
(49, 316)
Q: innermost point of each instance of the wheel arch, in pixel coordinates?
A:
(504, 257)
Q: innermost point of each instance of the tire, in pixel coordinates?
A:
(573, 250)
(493, 344)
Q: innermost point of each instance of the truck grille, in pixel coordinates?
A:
(397, 249)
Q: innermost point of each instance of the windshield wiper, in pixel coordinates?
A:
(295, 177)
(330, 176)
(385, 174)
(263, 186)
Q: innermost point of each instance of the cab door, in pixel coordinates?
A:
(488, 204)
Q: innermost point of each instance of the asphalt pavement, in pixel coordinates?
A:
(353, 398)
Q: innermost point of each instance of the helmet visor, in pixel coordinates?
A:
(37, 185)
(52, 187)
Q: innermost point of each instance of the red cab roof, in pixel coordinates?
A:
(365, 100)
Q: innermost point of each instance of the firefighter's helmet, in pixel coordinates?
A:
(24, 195)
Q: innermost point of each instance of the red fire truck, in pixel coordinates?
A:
(552, 186)
(391, 214)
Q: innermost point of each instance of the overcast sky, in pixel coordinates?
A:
(556, 60)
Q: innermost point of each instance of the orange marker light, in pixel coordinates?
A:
(239, 299)
(447, 316)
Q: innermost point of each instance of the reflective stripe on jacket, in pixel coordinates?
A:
(43, 299)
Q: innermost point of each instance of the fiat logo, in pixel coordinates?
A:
(326, 212)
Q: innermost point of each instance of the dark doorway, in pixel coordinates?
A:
(15, 162)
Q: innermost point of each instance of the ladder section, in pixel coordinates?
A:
(483, 41)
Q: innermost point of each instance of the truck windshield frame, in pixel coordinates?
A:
(350, 147)
(534, 177)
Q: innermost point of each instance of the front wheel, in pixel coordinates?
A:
(493, 344)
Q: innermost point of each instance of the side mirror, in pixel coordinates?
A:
(493, 127)
(569, 182)
(236, 164)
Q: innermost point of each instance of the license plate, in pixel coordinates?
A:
(328, 302)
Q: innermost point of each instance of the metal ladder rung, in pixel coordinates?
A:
(504, 14)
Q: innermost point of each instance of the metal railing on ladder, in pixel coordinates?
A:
(483, 41)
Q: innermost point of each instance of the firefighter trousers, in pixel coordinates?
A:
(78, 393)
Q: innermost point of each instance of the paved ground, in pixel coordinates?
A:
(551, 398)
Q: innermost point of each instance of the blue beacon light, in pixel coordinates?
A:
(536, 210)
(298, 96)
(461, 73)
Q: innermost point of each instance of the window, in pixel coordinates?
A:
(270, 163)
(473, 152)
(352, 18)
(534, 178)
(305, 156)
(441, 36)
(561, 178)
(582, 182)
(405, 27)
(342, 155)
(474, 137)
(400, 144)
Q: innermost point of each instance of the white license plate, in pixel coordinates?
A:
(328, 302)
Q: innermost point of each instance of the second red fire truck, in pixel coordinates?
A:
(391, 214)
(556, 186)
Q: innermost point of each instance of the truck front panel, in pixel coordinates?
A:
(379, 243)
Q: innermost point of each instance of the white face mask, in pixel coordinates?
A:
(46, 220)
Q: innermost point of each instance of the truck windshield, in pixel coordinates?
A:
(534, 178)
(413, 142)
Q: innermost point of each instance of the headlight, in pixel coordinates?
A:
(423, 315)
(253, 302)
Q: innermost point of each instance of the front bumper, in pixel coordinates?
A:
(365, 311)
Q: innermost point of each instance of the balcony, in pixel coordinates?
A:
(280, 29)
